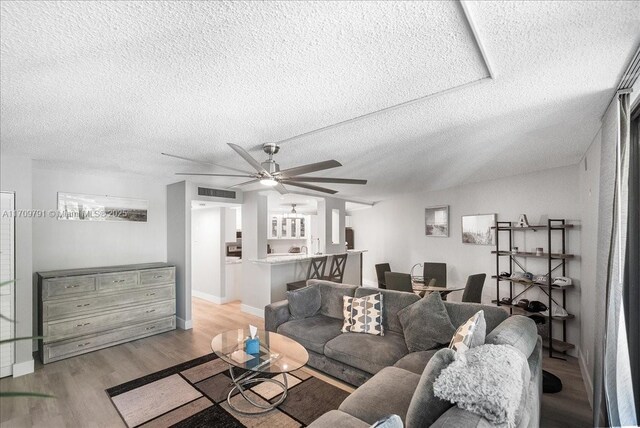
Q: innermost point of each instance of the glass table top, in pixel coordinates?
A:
(278, 354)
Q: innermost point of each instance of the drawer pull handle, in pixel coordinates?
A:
(151, 310)
(118, 280)
(84, 344)
(150, 328)
(72, 286)
(151, 294)
(157, 276)
(82, 325)
(82, 306)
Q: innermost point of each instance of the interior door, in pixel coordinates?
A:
(7, 273)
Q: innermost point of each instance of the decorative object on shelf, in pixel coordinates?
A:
(477, 229)
(514, 249)
(76, 206)
(523, 222)
(553, 310)
(436, 221)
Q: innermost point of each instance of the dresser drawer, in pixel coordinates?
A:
(68, 286)
(157, 276)
(69, 348)
(117, 281)
(79, 326)
(56, 309)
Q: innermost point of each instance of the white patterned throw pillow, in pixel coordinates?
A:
(363, 314)
(470, 334)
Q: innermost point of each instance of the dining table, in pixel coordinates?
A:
(419, 287)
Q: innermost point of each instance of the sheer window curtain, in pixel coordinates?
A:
(614, 401)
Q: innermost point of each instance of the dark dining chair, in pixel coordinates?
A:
(380, 271)
(398, 281)
(336, 272)
(437, 271)
(473, 290)
(316, 271)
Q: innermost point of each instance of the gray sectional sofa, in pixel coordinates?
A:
(387, 373)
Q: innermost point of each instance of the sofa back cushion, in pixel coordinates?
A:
(459, 313)
(331, 294)
(517, 331)
(425, 407)
(304, 302)
(394, 302)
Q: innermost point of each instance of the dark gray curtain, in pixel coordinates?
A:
(631, 280)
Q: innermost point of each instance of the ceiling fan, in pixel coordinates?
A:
(268, 172)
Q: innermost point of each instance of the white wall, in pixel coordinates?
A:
(393, 230)
(16, 176)
(589, 198)
(207, 253)
(62, 244)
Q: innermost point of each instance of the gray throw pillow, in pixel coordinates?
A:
(304, 302)
(426, 324)
(425, 408)
(471, 334)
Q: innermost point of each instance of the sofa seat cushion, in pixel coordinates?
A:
(312, 333)
(415, 362)
(387, 393)
(365, 351)
(336, 418)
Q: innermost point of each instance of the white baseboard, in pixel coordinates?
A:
(586, 376)
(369, 283)
(23, 368)
(184, 324)
(209, 297)
(251, 310)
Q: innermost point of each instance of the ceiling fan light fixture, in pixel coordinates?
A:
(268, 182)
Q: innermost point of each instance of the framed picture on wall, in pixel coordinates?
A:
(476, 229)
(76, 206)
(436, 221)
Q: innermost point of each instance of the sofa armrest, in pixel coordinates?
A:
(275, 314)
(456, 417)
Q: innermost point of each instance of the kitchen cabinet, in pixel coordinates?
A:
(281, 227)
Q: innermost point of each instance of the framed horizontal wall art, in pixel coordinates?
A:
(436, 221)
(75, 206)
(476, 229)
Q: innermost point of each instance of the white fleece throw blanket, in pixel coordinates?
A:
(488, 380)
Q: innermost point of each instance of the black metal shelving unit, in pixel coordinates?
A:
(556, 263)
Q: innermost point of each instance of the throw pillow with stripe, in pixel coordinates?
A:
(363, 315)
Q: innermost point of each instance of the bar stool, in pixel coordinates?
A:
(316, 271)
(336, 273)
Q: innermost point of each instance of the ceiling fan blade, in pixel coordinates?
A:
(312, 167)
(325, 180)
(310, 187)
(280, 188)
(244, 183)
(212, 175)
(206, 163)
(246, 156)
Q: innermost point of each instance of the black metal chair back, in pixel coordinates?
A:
(380, 271)
(398, 281)
(336, 272)
(437, 271)
(473, 290)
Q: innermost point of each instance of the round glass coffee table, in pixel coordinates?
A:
(278, 355)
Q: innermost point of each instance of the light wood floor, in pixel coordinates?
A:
(79, 383)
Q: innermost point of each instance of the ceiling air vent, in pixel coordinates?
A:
(216, 193)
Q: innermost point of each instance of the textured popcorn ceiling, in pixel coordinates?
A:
(109, 85)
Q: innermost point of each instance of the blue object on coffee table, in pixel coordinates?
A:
(252, 346)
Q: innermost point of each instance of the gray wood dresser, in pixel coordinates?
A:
(83, 310)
